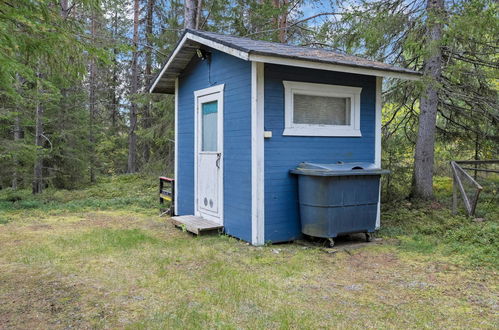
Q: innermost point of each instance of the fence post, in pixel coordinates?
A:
(454, 189)
(454, 196)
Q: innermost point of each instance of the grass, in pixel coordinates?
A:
(430, 228)
(101, 258)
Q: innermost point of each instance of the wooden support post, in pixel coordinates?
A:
(459, 173)
(454, 191)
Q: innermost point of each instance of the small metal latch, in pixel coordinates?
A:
(219, 155)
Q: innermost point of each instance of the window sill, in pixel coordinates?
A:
(321, 131)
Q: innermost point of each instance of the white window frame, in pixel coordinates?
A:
(302, 88)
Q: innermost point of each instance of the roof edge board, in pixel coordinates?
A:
(172, 57)
(248, 56)
(218, 46)
(207, 42)
(333, 67)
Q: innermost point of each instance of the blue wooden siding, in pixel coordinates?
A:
(285, 152)
(236, 75)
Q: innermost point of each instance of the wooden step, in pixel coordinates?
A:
(194, 224)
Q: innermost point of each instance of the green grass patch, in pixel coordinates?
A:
(130, 192)
(418, 243)
(106, 240)
(100, 257)
(80, 245)
(429, 228)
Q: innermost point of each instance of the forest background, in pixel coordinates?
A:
(74, 75)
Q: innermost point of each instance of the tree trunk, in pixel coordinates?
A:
(190, 14)
(283, 22)
(425, 143)
(148, 54)
(132, 137)
(199, 9)
(114, 97)
(17, 132)
(17, 137)
(64, 8)
(146, 121)
(281, 19)
(275, 19)
(37, 173)
(477, 154)
(91, 104)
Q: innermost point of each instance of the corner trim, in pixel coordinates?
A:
(257, 154)
(175, 168)
(377, 141)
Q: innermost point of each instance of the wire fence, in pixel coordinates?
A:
(469, 179)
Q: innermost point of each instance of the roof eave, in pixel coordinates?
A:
(188, 35)
(275, 59)
(339, 67)
(158, 77)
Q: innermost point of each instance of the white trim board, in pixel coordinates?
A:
(333, 67)
(295, 87)
(378, 107)
(218, 46)
(209, 90)
(170, 60)
(261, 153)
(247, 56)
(257, 154)
(377, 141)
(175, 168)
(201, 40)
(201, 93)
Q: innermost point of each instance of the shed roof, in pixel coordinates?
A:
(268, 52)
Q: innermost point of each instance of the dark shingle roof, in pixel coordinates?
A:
(260, 47)
(165, 83)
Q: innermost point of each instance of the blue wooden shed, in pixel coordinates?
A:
(248, 111)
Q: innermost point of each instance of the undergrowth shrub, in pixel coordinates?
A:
(123, 191)
(427, 227)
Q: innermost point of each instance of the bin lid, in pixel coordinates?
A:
(338, 169)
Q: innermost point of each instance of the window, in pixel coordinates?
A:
(321, 110)
(209, 119)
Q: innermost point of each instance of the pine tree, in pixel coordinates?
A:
(424, 156)
(134, 87)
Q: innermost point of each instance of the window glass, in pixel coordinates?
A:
(209, 126)
(321, 110)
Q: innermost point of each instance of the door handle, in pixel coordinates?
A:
(219, 155)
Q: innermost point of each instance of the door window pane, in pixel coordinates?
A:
(209, 127)
(321, 110)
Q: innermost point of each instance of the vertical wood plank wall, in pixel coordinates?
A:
(236, 75)
(283, 153)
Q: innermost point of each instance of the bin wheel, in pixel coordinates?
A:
(330, 242)
(369, 237)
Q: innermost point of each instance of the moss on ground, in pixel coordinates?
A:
(101, 258)
(431, 228)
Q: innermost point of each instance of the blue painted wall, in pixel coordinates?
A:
(236, 75)
(285, 152)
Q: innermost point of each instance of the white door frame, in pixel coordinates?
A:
(216, 93)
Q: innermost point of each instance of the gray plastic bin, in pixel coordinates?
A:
(338, 198)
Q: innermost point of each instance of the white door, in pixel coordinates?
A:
(209, 154)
